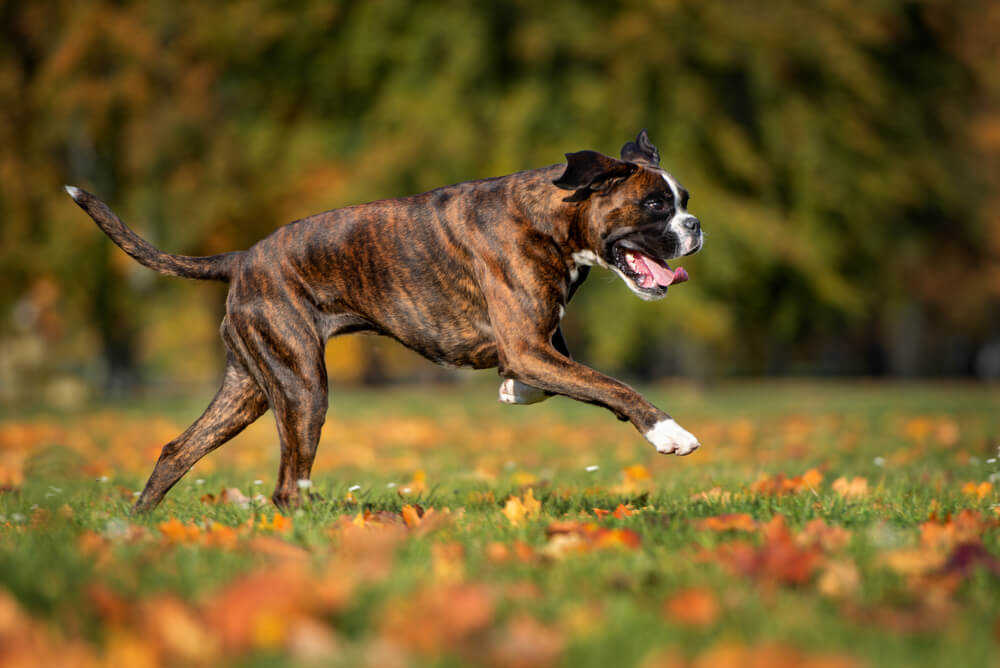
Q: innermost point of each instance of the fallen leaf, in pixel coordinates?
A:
(177, 630)
(410, 516)
(525, 643)
(517, 511)
(769, 656)
(622, 511)
(278, 523)
(714, 495)
(779, 484)
(497, 552)
(778, 560)
(177, 532)
(969, 556)
(311, 642)
(448, 561)
(637, 472)
(569, 536)
(729, 522)
(830, 538)
(839, 579)
(980, 490)
(692, 607)
(913, 561)
(438, 618)
(851, 489)
(277, 548)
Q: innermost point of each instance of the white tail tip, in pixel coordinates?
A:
(73, 191)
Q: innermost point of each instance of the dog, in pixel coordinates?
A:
(476, 274)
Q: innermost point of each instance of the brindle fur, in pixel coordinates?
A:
(469, 275)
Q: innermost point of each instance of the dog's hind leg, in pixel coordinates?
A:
(284, 353)
(238, 402)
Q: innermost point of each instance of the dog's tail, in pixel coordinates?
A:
(214, 267)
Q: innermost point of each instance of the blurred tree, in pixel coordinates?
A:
(842, 157)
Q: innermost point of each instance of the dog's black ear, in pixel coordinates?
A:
(590, 171)
(641, 151)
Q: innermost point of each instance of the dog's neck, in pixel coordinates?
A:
(546, 210)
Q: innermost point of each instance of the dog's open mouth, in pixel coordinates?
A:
(645, 272)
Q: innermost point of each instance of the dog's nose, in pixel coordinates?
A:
(691, 224)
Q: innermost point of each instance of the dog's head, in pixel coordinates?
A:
(635, 216)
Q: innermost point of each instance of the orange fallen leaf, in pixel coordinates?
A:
(637, 472)
(780, 484)
(980, 490)
(714, 495)
(497, 552)
(437, 618)
(569, 536)
(277, 523)
(692, 607)
(778, 560)
(622, 511)
(525, 643)
(728, 522)
(177, 532)
(829, 537)
(617, 537)
(176, 630)
(410, 516)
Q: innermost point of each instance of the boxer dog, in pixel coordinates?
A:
(471, 275)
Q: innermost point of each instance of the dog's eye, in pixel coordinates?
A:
(655, 203)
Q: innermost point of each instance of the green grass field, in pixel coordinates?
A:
(819, 525)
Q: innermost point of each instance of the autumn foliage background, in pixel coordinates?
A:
(843, 158)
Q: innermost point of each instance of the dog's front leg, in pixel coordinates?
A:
(522, 330)
(540, 366)
(514, 392)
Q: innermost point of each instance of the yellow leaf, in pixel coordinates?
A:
(980, 491)
(851, 489)
(637, 472)
(522, 478)
(517, 510)
(277, 523)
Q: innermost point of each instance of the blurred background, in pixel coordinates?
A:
(842, 156)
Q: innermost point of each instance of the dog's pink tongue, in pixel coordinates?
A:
(663, 275)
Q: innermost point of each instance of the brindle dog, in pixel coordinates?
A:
(471, 275)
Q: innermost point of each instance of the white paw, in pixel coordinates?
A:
(669, 437)
(515, 392)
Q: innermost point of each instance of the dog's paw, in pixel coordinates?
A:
(515, 392)
(670, 438)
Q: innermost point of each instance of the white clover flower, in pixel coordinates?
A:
(592, 468)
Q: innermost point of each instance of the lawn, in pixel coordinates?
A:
(820, 524)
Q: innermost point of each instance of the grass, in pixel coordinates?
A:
(848, 523)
